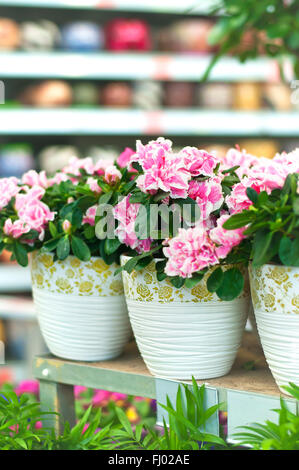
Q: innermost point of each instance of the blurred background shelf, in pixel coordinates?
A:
(72, 121)
(158, 6)
(14, 278)
(131, 66)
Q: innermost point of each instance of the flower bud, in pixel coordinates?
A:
(66, 226)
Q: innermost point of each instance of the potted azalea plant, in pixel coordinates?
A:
(270, 217)
(186, 298)
(80, 303)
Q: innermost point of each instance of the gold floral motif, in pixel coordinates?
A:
(165, 292)
(63, 284)
(47, 260)
(143, 291)
(278, 274)
(201, 292)
(148, 278)
(70, 273)
(75, 262)
(85, 286)
(295, 302)
(74, 276)
(269, 300)
(117, 287)
(99, 266)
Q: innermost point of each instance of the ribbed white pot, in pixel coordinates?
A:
(275, 297)
(183, 332)
(80, 307)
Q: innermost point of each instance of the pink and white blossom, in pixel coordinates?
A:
(225, 239)
(125, 213)
(198, 162)
(8, 189)
(90, 215)
(15, 229)
(112, 175)
(189, 252)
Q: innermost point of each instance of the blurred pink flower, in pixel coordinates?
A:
(76, 164)
(15, 229)
(90, 215)
(78, 390)
(8, 189)
(93, 185)
(112, 174)
(124, 158)
(28, 386)
(101, 398)
(32, 178)
(236, 157)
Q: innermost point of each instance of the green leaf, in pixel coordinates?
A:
(50, 245)
(194, 280)
(20, 253)
(161, 276)
(238, 220)
(63, 248)
(260, 247)
(143, 262)
(89, 231)
(53, 229)
(177, 281)
(296, 205)
(289, 251)
(111, 245)
(160, 265)
(80, 249)
(252, 195)
(130, 264)
(215, 279)
(232, 284)
(105, 198)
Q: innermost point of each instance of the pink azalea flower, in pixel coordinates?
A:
(124, 158)
(236, 157)
(101, 165)
(146, 154)
(76, 164)
(28, 386)
(101, 398)
(289, 161)
(90, 215)
(207, 194)
(32, 211)
(8, 189)
(58, 178)
(118, 396)
(32, 178)
(225, 239)
(198, 162)
(78, 390)
(126, 214)
(93, 184)
(189, 252)
(112, 175)
(15, 229)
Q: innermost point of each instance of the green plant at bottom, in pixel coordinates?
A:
(186, 430)
(272, 436)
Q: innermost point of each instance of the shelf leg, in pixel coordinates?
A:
(58, 398)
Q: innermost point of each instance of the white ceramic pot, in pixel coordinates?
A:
(183, 332)
(80, 307)
(275, 297)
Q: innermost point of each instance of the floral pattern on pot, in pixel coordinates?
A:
(143, 286)
(72, 276)
(275, 288)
